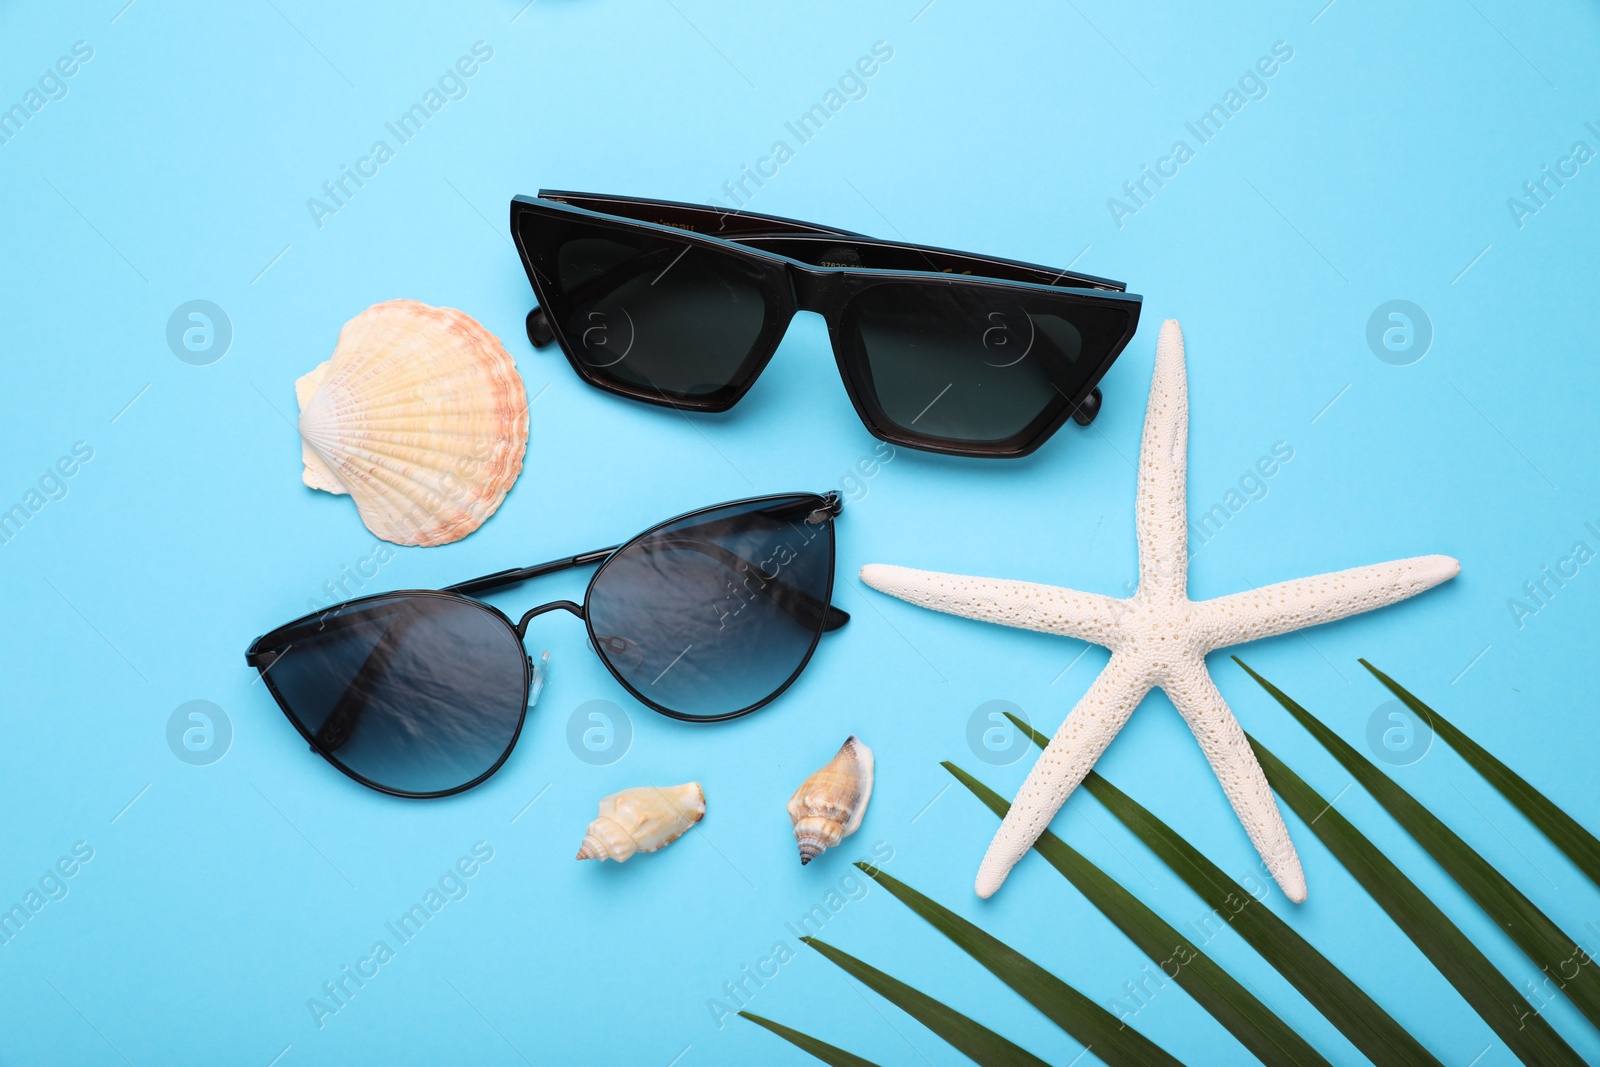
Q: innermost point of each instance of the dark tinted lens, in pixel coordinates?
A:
(973, 363)
(419, 694)
(648, 311)
(713, 614)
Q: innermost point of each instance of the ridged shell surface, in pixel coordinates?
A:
(420, 416)
(642, 819)
(829, 806)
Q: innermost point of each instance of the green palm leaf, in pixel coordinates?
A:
(1092, 1025)
(823, 1051)
(1525, 1032)
(1562, 829)
(1252, 1022)
(1358, 1016)
(1531, 929)
(974, 1040)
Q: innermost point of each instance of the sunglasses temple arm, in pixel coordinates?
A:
(341, 722)
(516, 575)
(541, 333)
(1055, 361)
(799, 604)
(794, 601)
(707, 219)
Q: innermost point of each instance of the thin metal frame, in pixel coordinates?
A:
(264, 652)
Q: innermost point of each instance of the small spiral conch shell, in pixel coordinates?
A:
(829, 806)
(420, 416)
(642, 820)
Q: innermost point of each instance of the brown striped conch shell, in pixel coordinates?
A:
(829, 806)
(642, 820)
(420, 416)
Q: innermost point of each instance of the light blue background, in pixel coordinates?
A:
(178, 167)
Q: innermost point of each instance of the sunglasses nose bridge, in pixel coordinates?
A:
(554, 605)
(814, 287)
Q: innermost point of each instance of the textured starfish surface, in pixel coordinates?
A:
(1158, 637)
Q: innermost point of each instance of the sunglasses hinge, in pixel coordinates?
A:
(540, 332)
(1088, 408)
(832, 505)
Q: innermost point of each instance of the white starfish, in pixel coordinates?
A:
(1158, 637)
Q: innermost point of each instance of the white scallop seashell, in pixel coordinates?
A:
(642, 820)
(420, 416)
(829, 806)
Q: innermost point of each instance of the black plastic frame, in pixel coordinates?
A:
(792, 285)
(265, 650)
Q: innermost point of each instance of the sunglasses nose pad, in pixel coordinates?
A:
(541, 674)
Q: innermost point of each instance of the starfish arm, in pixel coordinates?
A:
(1227, 749)
(1069, 756)
(1160, 511)
(1028, 605)
(1278, 609)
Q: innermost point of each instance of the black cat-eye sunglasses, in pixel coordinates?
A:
(422, 693)
(683, 305)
